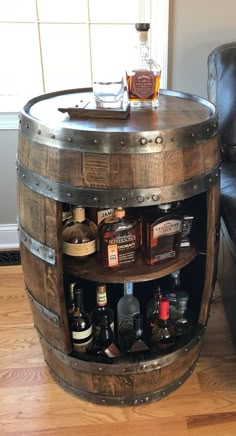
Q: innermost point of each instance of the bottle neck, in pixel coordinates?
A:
(128, 289)
(101, 295)
(138, 325)
(164, 308)
(71, 291)
(78, 300)
(78, 214)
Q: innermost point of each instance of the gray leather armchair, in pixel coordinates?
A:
(222, 92)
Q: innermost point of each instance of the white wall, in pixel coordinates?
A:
(196, 27)
(8, 209)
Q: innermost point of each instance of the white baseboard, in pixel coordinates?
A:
(9, 236)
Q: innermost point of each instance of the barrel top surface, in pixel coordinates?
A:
(176, 110)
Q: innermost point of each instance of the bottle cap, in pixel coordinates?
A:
(165, 207)
(78, 214)
(164, 308)
(182, 296)
(128, 288)
(142, 27)
(101, 295)
(119, 212)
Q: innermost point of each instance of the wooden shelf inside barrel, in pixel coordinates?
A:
(140, 271)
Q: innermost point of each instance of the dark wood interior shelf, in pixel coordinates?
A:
(140, 271)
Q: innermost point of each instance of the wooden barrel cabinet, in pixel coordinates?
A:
(154, 156)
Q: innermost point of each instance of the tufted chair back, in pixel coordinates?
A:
(221, 87)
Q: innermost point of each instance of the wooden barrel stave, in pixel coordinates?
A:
(109, 171)
(117, 384)
(41, 220)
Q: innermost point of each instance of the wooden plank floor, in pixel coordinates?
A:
(31, 403)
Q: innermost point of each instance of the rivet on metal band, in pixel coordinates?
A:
(67, 193)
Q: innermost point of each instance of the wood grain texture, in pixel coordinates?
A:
(40, 217)
(31, 403)
(124, 171)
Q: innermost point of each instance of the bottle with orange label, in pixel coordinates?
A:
(79, 235)
(118, 239)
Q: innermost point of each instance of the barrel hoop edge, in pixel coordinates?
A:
(38, 249)
(44, 312)
(121, 368)
(93, 197)
(135, 400)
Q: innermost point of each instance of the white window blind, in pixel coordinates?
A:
(50, 45)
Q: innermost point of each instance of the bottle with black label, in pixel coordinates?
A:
(80, 325)
(162, 230)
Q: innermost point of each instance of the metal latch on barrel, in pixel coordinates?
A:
(37, 248)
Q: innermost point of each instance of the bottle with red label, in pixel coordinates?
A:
(143, 78)
(163, 332)
(118, 239)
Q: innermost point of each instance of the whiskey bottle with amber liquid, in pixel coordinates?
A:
(143, 78)
(79, 235)
(118, 239)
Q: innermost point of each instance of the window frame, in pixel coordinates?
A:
(158, 45)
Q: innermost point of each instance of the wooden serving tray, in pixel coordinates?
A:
(91, 111)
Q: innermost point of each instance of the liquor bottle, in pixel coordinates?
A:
(66, 213)
(70, 304)
(79, 235)
(101, 310)
(81, 326)
(138, 343)
(152, 308)
(103, 344)
(163, 332)
(127, 307)
(188, 220)
(183, 316)
(118, 238)
(175, 288)
(97, 215)
(143, 79)
(162, 229)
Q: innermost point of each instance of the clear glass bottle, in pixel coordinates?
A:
(127, 307)
(79, 235)
(80, 325)
(101, 310)
(162, 229)
(163, 332)
(138, 343)
(143, 78)
(118, 239)
(183, 316)
(175, 288)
